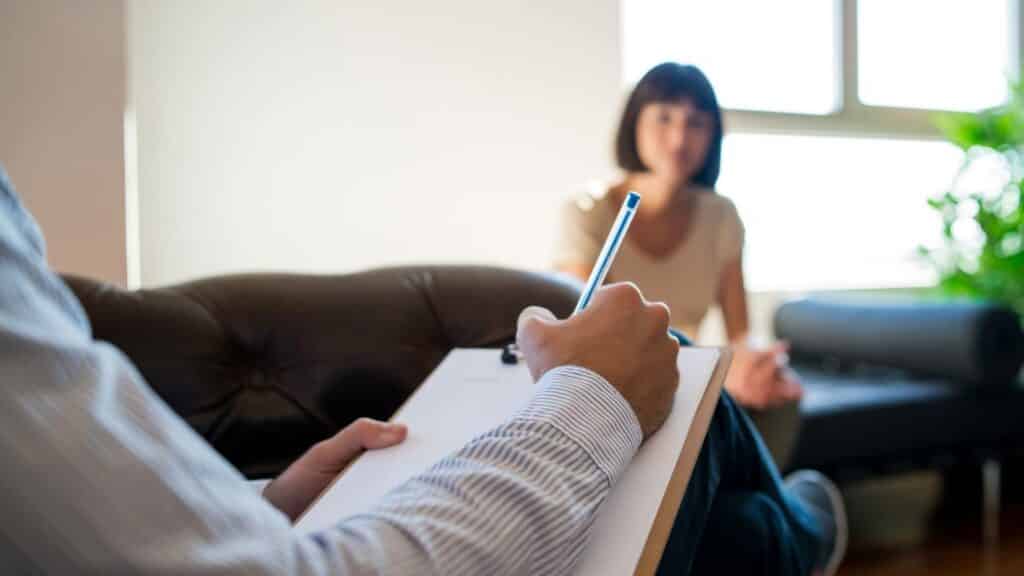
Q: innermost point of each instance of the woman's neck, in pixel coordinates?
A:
(660, 196)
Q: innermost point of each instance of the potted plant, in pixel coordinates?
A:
(981, 254)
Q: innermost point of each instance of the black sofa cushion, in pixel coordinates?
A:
(870, 422)
(899, 385)
(960, 341)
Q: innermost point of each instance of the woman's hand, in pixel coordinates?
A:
(296, 488)
(761, 378)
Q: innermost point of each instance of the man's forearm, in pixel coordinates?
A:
(104, 479)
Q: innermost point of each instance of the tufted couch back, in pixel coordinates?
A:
(264, 365)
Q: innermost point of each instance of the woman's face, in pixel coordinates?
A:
(672, 139)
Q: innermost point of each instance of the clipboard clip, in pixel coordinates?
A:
(510, 354)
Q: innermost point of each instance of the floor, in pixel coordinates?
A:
(940, 558)
(955, 545)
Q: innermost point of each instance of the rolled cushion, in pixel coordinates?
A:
(965, 342)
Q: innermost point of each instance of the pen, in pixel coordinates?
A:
(510, 354)
(608, 252)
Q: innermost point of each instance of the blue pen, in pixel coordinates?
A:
(510, 354)
(611, 247)
(608, 252)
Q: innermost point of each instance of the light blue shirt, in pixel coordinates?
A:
(101, 477)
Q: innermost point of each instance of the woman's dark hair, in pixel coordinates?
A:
(670, 82)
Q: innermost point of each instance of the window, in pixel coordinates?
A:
(834, 212)
(831, 151)
(770, 61)
(938, 55)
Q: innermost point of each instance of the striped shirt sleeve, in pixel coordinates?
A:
(520, 499)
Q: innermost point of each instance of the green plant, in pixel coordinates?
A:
(982, 250)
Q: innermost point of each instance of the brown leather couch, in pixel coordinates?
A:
(264, 365)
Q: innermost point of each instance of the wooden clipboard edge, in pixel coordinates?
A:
(650, 558)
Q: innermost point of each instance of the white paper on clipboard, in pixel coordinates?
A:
(470, 393)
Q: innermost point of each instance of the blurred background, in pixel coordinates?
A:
(160, 141)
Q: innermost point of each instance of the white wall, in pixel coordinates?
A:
(330, 136)
(61, 110)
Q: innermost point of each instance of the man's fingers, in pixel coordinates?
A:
(662, 316)
(384, 436)
(336, 452)
(530, 314)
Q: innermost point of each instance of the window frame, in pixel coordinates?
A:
(853, 118)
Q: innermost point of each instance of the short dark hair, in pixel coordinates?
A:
(670, 82)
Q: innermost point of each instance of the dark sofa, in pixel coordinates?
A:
(264, 365)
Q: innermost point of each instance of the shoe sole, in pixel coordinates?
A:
(838, 513)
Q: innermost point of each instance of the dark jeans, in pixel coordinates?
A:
(736, 517)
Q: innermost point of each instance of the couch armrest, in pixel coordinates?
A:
(264, 365)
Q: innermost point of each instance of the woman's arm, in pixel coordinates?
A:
(732, 299)
(759, 378)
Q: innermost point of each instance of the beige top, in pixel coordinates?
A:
(686, 279)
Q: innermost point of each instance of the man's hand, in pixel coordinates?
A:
(296, 488)
(620, 336)
(760, 378)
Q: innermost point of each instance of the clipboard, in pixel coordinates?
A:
(673, 498)
(633, 502)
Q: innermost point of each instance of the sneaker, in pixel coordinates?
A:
(822, 500)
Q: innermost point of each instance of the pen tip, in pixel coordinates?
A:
(632, 199)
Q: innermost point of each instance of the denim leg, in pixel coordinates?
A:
(748, 533)
(736, 516)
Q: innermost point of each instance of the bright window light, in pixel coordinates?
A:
(835, 213)
(777, 56)
(949, 55)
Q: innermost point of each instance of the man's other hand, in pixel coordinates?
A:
(296, 488)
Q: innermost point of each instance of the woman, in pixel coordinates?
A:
(686, 242)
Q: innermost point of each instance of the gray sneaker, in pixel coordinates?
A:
(822, 500)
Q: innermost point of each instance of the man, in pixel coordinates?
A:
(102, 478)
